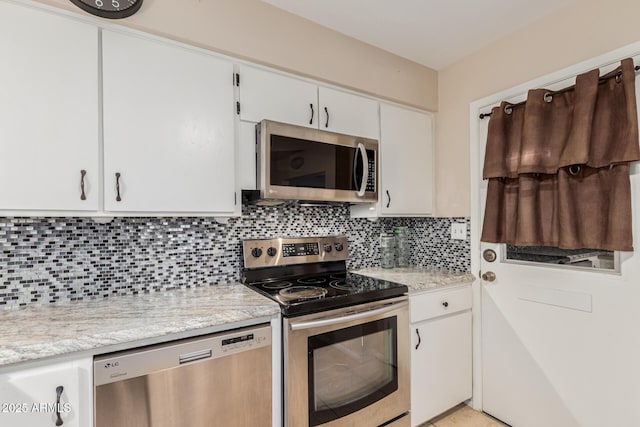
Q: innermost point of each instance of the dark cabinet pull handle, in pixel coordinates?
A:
(82, 175)
(445, 304)
(59, 390)
(419, 339)
(327, 122)
(311, 121)
(389, 198)
(118, 198)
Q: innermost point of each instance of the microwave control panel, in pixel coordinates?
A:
(371, 177)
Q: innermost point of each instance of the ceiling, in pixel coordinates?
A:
(434, 33)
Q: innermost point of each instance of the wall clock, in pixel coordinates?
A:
(112, 9)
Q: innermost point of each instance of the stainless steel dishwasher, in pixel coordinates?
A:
(214, 380)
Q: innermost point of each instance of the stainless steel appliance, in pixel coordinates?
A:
(299, 163)
(345, 336)
(222, 379)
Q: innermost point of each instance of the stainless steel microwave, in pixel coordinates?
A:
(299, 163)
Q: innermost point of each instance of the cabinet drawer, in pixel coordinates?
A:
(439, 303)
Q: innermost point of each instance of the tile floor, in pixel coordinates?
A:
(463, 416)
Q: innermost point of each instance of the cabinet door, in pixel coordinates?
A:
(440, 366)
(344, 112)
(29, 396)
(48, 111)
(168, 127)
(272, 96)
(246, 152)
(406, 144)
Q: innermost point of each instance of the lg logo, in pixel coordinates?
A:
(111, 365)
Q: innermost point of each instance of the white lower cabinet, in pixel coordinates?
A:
(440, 352)
(58, 394)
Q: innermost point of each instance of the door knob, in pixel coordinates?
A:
(489, 255)
(488, 276)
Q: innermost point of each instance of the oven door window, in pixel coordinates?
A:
(351, 368)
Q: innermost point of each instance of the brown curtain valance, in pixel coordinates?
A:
(558, 165)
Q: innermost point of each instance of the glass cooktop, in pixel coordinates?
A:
(308, 294)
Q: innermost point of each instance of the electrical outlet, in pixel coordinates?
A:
(459, 231)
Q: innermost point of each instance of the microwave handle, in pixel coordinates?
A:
(348, 318)
(365, 169)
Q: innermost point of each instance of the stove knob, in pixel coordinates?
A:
(327, 248)
(272, 251)
(256, 252)
(339, 246)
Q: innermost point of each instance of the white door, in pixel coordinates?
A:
(168, 127)
(559, 346)
(347, 113)
(406, 161)
(269, 95)
(48, 111)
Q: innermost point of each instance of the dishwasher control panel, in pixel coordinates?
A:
(109, 368)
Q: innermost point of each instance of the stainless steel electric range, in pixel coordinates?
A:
(345, 336)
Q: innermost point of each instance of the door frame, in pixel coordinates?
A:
(482, 106)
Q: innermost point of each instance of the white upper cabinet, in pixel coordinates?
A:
(406, 164)
(406, 145)
(269, 95)
(168, 128)
(48, 111)
(343, 112)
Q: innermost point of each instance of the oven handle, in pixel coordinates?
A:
(355, 316)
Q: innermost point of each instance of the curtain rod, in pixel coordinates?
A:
(566, 89)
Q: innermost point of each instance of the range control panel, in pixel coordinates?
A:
(286, 251)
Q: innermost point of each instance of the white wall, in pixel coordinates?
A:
(259, 32)
(574, 33)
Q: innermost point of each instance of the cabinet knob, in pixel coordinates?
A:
(82, 175)
(445, 304)
(118, 198)
(59, 391)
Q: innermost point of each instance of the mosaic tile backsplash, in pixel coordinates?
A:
(45, 260)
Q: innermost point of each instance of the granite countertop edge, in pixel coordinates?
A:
(419, 279)
(90, 327)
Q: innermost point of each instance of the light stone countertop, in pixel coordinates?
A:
(418, 279)
(117, 323)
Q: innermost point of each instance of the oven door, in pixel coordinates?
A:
(349, 366)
